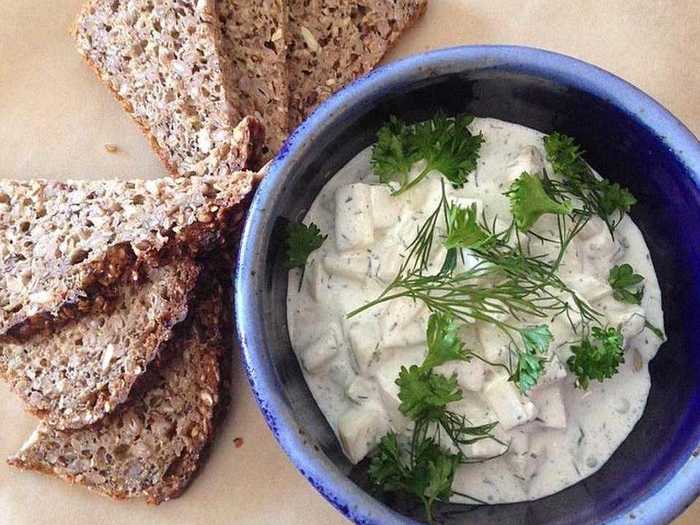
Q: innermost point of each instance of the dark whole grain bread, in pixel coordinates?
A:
(332, 42)
(76, 375)
(153, 444)
(64, 243)
(254, 42)
(162, 61)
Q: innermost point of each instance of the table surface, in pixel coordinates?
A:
(56, 119)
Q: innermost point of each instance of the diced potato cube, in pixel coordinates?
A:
(353, 265)
(425, 196)
(360, 390)
(365, 338)
(589, 287)
(510, 406)
(629, 318)
(550, 406)
(553, 371)
(315, 278)
(408, 335)
(354, 226)
(388, 265)
(524, 464)
(529, 159)
(386, 208)
(494, 343)
(400, 312)
(360, 429)
(389, 394)
(470, 374)
(486, 448)
(322, 350)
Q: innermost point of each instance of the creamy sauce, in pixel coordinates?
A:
(558, 434)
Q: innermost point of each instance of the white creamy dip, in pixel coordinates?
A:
(558, 434)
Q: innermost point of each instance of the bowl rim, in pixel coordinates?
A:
(660, 507)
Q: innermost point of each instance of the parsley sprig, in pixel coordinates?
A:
(444, 143)
(597, 356)
(627, 286)
(529, 201)
(424, 466)
(531, 360)
(301, 241)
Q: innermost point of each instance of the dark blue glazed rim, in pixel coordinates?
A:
(652, 505)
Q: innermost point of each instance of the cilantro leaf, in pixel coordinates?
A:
(301, 241)
(463, 230)
(424, 395)
(598, 358)
(443, 342)
(626, 284)
(530, 365)
(444, 143)
(529, 201)
(609, 201)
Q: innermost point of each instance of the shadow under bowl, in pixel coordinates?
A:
(627, 137)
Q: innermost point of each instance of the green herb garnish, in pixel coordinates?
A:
(444, 143)
(595, 196)
(532, 358)
(423, 466)
(627, 285)
(598, 356)
(529, 201)
(301, 241)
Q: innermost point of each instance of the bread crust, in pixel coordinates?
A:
(157, 438)
(228, 137)
(46, 226)
(333, 42)
(73, 377)
(254, 62)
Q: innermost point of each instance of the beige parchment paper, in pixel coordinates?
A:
(55, 120)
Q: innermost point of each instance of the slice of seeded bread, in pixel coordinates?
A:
(332, 42)
(152, 445)
(254, 41)
(63, 243)
(73, 377)
(162, 61)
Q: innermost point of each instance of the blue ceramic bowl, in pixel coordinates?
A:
(628, 137)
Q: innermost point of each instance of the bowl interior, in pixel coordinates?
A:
(621, 148)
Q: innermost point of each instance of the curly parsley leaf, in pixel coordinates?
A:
(627, 285)
(393, 154)
(529, 201)
(463, 230)
(427, 473)
(598, 356)
(301, 241)
(531, 360)
(424, 395)
(423, 467)
(444, 143)
(599, 197)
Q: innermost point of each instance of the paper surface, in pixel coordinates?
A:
(56, 119)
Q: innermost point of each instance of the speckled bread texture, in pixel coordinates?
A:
(162, 61)
(153, 444)
(332, 42)
(63, 243)
(254, 41)
(80, 373)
